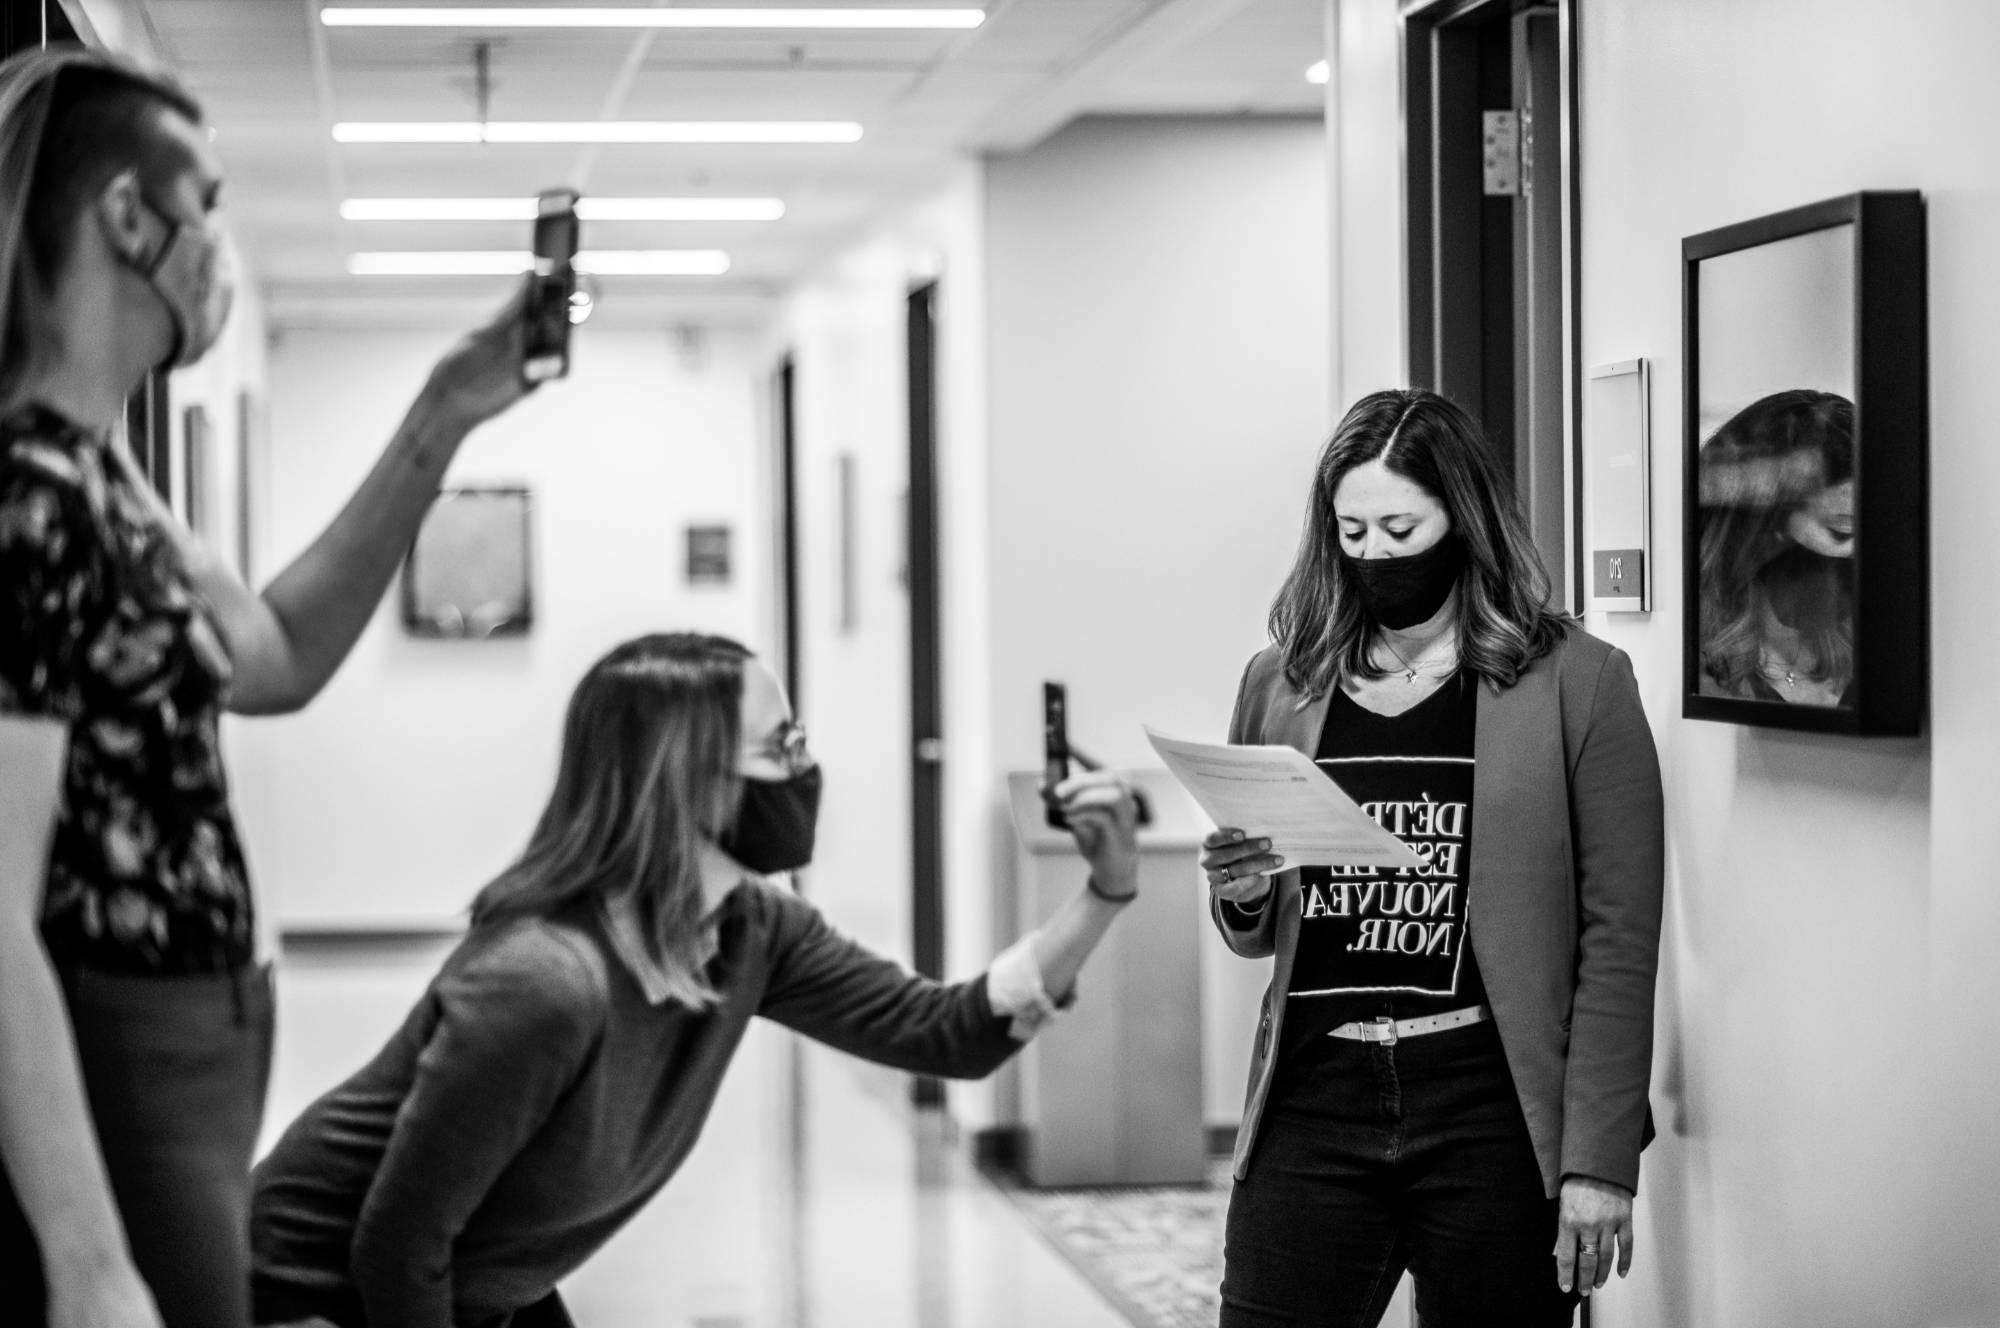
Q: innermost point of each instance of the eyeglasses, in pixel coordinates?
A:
(787, 747)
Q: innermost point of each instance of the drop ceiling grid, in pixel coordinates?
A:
(921, 96)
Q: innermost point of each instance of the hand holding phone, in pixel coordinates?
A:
(1057, 754)
(552, 286)
(1055, 750)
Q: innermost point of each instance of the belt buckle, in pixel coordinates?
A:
(1380, 1029)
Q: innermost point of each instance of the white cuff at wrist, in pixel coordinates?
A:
(1014, 986)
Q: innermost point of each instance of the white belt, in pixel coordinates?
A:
(1380, 1029)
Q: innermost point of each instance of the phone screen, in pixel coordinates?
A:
(1055, 747)
(545, 341)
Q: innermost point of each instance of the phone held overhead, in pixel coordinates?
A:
(552, 288)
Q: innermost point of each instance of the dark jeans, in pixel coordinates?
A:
(175, 1071)
(1375, 1159)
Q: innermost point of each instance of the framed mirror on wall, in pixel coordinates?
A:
(1806, 455)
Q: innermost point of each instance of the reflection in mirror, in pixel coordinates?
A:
(1776, 471)
(1777, 550)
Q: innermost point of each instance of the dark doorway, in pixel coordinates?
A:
(926, 675)
(784, 418)
(1489, 117)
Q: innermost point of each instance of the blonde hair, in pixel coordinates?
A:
(648, 769)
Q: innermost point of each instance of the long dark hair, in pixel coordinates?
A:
(70, 120)
(648, 768)
(1504, 622)
(1755, 472)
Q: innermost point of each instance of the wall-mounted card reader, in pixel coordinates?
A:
(1617, 463)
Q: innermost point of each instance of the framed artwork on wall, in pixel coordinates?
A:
(198, 472)
(708, 555)
(468, 575)
(1806, 468)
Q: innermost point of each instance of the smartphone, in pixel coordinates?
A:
(545, 334)
(1058, 756)
(1055, 749)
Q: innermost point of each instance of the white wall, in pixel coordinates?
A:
(1083, 443)
(845, 329)
(418, 773)
(1827, 1072)
(1159, 340)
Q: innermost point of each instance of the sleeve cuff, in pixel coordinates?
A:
(1014, 987)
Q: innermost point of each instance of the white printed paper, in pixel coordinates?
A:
(1277, 793)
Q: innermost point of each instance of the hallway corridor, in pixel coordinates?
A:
(816, 1198)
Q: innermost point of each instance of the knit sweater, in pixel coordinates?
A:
(537, 1097)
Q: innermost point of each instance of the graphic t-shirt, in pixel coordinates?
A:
(1392, 940)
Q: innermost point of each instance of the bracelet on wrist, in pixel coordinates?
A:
(1090, 884)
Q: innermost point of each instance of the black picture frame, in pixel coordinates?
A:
(1885, 693)
(469, 573)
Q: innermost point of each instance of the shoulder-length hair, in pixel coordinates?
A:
(648, 768)
(1504, 622)
(1755, 473)
(70, 120)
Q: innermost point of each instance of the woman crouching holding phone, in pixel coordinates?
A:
(558, 1070)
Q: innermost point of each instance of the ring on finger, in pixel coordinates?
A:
(1228, 875)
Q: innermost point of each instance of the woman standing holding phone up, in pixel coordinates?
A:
(1450, 1073)
(135, 1010)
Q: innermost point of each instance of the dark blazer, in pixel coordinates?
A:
(1568, 862)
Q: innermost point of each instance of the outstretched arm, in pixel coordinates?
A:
(834, 990)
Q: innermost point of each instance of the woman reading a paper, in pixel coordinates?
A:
(1450, 1073)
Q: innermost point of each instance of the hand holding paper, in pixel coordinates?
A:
(1279, 794)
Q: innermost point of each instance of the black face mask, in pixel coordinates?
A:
(1402, 592)
(775, 823)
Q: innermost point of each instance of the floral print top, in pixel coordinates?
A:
(101, 629)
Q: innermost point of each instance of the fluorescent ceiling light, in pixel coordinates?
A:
(542, 16)
(506, 263)
(589, 209)
(1319, 73)
(599, 131)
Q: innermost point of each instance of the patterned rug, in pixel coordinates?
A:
(1155, 1252)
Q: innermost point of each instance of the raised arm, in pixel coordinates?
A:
(287, 642)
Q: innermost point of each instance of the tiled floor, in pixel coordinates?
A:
(813, 1201)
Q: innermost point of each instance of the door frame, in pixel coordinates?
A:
(927, 752)
(1445, 325)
